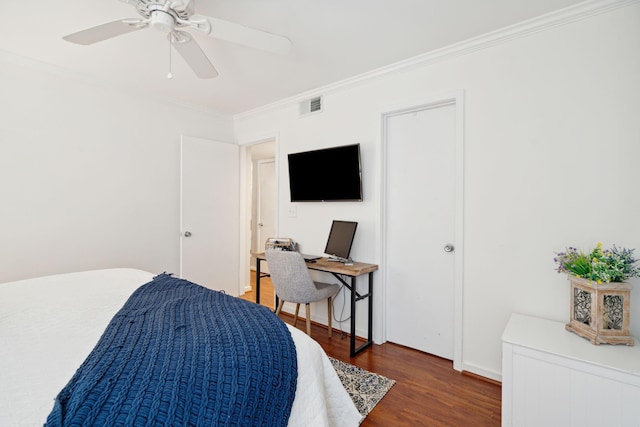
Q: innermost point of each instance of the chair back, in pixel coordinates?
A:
(290, 276)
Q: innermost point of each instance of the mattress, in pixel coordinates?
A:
(38, 315)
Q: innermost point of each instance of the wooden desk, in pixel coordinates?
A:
(338, 269)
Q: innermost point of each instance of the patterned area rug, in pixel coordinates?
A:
(365, 388)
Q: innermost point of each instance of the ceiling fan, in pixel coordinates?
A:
(173, 17)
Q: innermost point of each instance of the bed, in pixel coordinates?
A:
(49, 325)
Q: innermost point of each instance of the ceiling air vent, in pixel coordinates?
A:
(311, 106)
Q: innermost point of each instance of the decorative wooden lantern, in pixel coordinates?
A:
(600, 312)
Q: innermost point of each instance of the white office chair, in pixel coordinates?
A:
(292, 283)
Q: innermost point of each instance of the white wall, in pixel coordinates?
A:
(552, 145)
(89, 177)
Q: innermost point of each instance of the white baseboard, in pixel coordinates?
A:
(493, 375)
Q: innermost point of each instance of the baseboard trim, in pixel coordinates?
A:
(471, 369)
(482, 378)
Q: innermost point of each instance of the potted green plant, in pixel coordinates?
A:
(601, 266)
(600, 297)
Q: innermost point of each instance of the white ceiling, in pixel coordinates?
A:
(332, 40)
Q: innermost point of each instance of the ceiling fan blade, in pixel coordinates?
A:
(193, 56)
(251, 37)
(103, 32)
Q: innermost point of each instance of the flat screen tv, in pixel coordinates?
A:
(329, 174)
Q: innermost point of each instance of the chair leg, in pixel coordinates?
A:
(308, 307)
(295, 318)
(280, 304)
(329, 311)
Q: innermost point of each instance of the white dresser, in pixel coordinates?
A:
(554, 378)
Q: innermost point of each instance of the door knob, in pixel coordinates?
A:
(260, 224)
(187, 234)
(449, 247)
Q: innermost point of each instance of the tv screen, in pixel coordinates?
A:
(340, 239)
(329, 174)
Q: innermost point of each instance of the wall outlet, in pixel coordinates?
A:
(293, 211)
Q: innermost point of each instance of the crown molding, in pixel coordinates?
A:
(544, 22)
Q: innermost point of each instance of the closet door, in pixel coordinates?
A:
(420, 226)
(209, 214)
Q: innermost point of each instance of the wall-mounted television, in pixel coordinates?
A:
(328, 174)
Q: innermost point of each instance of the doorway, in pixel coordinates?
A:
(260, 189)
(422, 226)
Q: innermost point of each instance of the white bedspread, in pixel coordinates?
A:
(37, 315)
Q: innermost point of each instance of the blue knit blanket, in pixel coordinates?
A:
(178, 354)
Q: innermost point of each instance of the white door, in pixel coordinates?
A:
(209, 214)
(266, 225)
(420, 226)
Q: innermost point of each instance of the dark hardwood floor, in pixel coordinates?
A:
(428, 391)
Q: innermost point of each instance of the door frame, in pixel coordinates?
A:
(451, 98)
(245, 203)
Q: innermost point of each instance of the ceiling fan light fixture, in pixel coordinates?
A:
(162, 21)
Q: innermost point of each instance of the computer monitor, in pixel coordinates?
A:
(340, 239)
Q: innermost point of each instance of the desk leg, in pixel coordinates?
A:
(354, 298)
(352, 342)
(370, 337)
(258, 261)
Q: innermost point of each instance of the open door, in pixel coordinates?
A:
(209, 214)
(266, 223)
